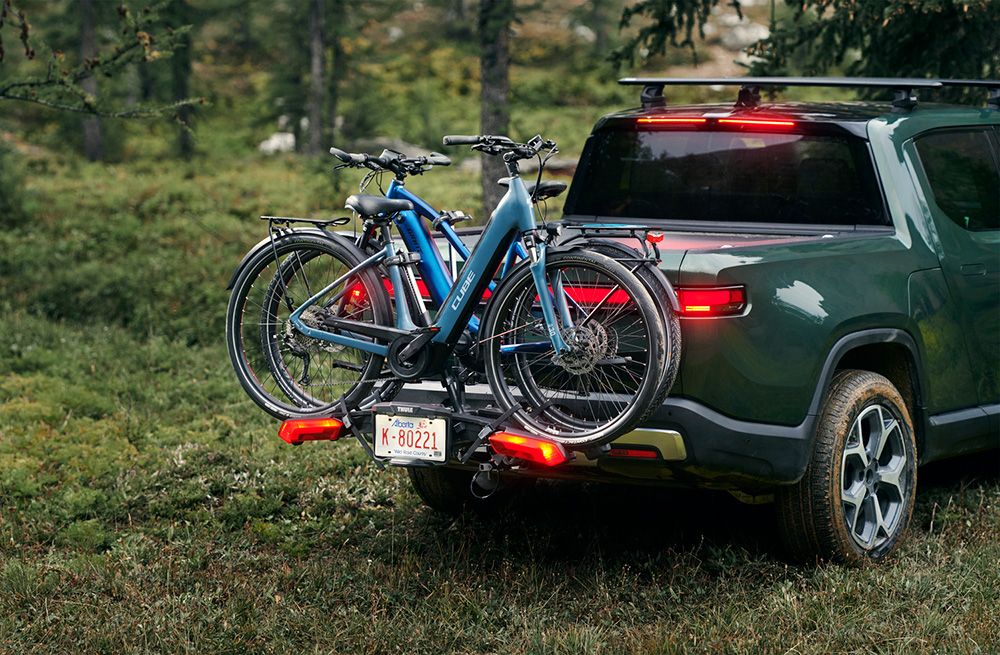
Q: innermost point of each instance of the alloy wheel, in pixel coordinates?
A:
(874, 478)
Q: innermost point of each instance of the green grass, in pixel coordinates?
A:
(147, 506)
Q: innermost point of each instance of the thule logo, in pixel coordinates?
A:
(466, 283)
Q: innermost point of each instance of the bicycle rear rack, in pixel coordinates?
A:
(475, 437)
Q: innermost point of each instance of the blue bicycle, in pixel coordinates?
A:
(571, 342)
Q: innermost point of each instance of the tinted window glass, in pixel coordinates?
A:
(726, 177)
(963, 177)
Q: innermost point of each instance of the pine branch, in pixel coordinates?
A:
(152, 111)
(60, 87)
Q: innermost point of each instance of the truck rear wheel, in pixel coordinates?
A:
(854, 503)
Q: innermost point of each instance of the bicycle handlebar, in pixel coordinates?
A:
(496, 145)
(391, 161)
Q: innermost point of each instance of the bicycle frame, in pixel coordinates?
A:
(433, 270)
(513, 218)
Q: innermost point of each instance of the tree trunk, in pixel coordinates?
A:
(337, 72)
(317, 84)
(93, 147)
(599, 22)
(495, 17)
(181, 73)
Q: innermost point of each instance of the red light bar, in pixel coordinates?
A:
(631, 452)
(670, 120)
(421, 287)
(297, 430)
(723, 301)
(757, 122)
(425, 293)
(595, 295)
(530, 449)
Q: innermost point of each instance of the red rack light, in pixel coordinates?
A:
(530, 449)
(297, 430)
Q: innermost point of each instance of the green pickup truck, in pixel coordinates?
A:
(837, 272)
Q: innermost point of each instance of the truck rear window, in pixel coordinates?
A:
(718, 176)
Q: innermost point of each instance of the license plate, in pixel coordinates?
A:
(411, 437)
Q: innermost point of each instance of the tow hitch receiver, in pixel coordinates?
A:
(528, 448)
(295, 431)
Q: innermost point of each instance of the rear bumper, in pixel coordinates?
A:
(722, 449)
(697, 445)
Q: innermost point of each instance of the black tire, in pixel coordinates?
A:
(590, 406)
(835, 512)
(443, 490)
(259, 338)
(657, 286)
(446, 490)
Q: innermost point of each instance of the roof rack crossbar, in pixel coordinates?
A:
(992, 101)
(903, 87)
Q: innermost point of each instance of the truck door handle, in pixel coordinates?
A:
(973, 269)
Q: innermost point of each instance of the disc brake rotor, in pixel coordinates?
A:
(588, 345)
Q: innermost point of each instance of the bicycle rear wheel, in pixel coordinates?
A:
(656, 284)
(608, 383)
(287, 373)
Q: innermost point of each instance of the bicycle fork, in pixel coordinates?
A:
(537, 258)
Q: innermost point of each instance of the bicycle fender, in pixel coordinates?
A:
(266, 243)
(660, 276)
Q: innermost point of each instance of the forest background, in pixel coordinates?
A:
(146, 505)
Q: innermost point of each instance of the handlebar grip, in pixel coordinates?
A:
(349, 157)
(460, 140)
(437, 159)
(341, 155)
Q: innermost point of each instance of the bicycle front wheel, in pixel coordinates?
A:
(608, 382)
(286, 372)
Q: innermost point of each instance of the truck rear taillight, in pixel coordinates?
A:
(670, 120)
(689, 121)
(712, 301)
(757, 122)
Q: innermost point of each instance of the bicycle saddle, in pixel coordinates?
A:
(374, 205)
(547, 189)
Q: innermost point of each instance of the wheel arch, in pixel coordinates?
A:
(890, 352)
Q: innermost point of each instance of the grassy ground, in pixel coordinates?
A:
(147, 506)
